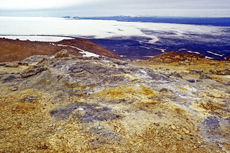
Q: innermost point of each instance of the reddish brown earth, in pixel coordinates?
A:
(17, 50)
(227, 58)
(180, 58)
(184, 62)
(174, 57)
(88, 46)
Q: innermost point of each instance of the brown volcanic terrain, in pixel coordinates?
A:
(187, 64)
(81, 104)
(175, 57)
(17, 50)
(89, 46)
(172, 103)
(180, 58)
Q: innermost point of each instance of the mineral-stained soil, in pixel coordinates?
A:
(90, 104)
(17, 50)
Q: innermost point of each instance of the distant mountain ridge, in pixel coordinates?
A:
(215, 21)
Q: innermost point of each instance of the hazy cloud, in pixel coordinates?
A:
(39, 4)
(118, 7)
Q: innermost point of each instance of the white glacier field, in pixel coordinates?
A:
(132, 40)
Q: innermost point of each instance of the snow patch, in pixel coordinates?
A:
(208, 57)
(148, 56)
(162, 50)
(144, 47)
(153, 40)
(85, 53)
(214, 53)
(193, 52)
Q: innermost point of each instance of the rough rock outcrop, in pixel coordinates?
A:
(32, 70)
(12, 64)
(98, 104)
(223, 72)
(204, 76)
(62, 53)
(196, 71)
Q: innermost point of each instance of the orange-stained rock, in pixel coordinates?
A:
(174, 57)
(227, 58)
(62, 53)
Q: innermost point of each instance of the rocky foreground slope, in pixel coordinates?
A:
(100, 104)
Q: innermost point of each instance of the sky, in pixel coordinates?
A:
(91, 8)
